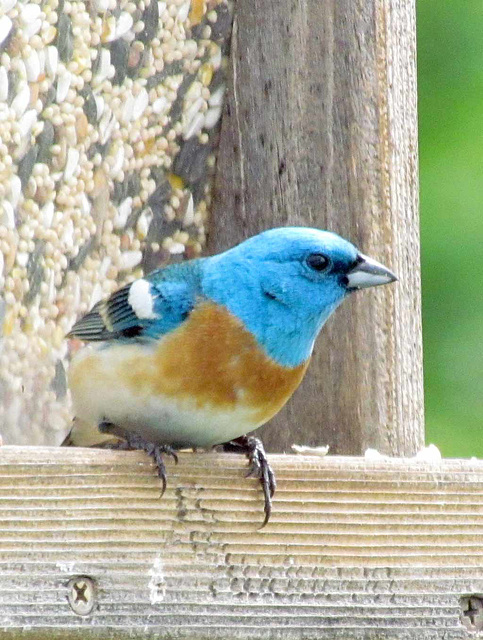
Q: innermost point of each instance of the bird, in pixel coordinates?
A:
(202, 352)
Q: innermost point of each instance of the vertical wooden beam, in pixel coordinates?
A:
(320, 129)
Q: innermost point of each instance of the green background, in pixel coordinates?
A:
(450, 70)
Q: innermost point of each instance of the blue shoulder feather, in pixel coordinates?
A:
(146, 308)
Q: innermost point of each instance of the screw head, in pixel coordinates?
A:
(472, 612)
(81, 595)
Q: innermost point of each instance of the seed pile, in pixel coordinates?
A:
(108, 126)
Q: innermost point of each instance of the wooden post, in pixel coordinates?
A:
(355, 549)
(320, 129)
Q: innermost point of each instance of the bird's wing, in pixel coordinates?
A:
(146, 308)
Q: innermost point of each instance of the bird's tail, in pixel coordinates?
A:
(85, 434)
(68, 441)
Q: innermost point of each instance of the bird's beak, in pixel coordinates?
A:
(368, 273)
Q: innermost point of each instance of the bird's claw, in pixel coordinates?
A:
(156, 453)
(133, 441)
(259, 468)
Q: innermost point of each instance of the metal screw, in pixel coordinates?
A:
(472, 612)
(81, 595)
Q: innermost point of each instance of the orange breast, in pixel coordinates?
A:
(215, 361)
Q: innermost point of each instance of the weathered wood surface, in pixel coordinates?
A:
(354, 549)
(320, 129)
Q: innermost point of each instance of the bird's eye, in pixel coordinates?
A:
(318, 262)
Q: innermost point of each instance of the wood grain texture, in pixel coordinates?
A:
(354, 550)
(320, 129)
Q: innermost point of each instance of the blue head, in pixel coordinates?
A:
(284, 284)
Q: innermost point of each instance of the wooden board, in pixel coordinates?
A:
(354, 549)
(320, 129)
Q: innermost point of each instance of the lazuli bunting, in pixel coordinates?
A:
(200, 353)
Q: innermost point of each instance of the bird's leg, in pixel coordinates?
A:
(132, 441)
(259, 467)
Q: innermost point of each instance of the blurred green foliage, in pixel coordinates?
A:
(450, 70)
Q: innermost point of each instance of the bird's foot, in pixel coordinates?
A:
(259, 467)
(132, 441)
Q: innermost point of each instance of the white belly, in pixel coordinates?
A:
(164, 421)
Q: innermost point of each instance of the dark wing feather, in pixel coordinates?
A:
(173, 292)
(108, 319)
